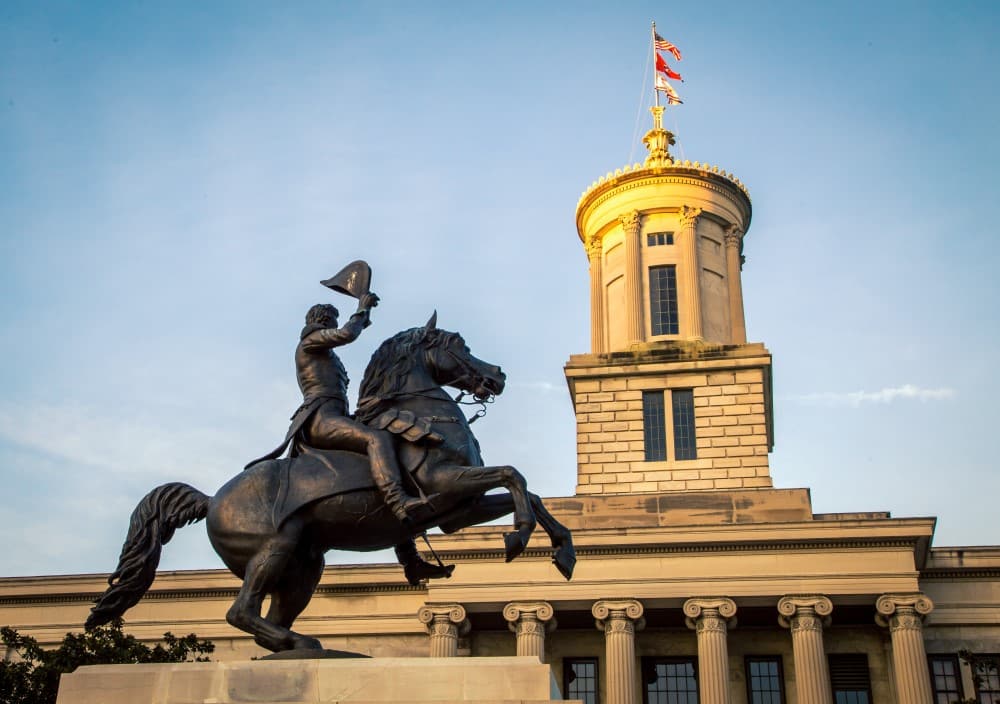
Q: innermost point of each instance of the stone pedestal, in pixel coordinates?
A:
(481, 680)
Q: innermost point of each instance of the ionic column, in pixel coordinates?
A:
(688, 237)
(708, 616)
(734, 238)
(445, 623)
(619, 619)
(530, 620)
(633, 278)
(904, 615)
(806, 616)
(594, 253)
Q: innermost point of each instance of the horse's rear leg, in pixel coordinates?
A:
(294, 591)
(263, 572)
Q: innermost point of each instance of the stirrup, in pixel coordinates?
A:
(415, 508)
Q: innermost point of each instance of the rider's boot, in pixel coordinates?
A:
(408, 509)
(418, 569)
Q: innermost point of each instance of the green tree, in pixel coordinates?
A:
(35, 678)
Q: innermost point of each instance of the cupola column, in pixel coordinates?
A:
(688, 236)
(619, 619)
(709, 617)
(806, 616)
(734, 239)
(594, 254)
(904, 615)
(633, 278)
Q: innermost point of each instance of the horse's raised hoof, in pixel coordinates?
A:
(514, 544)
(565, 561)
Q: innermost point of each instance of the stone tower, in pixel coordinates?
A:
(671, 396)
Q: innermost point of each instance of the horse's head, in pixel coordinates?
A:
(452, 364)
(401, 366)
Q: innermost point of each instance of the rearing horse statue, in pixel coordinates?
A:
(273, 523)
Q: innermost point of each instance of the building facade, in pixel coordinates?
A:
(697, 580)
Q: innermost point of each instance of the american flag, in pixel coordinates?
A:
(663, 45)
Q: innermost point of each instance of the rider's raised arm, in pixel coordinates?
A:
(325, 338)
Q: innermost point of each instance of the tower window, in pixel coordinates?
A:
(685, 447)
(663, 299)
(654, 239)
(657, 434)
(580, 679)
(654, 427)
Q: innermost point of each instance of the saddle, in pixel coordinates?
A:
(312, 474)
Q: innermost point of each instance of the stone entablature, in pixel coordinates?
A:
(732, 401)
(675, 167)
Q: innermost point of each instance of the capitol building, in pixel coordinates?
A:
(698, 580)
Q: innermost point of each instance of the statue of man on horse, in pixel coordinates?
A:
(322, 420)
(344, 483)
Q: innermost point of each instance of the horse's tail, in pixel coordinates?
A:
(162, 511)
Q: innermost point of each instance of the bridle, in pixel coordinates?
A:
(469, 374)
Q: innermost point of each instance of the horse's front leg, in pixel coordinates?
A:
(457, 484)
(562, 540)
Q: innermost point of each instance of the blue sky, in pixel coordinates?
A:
(175, 178)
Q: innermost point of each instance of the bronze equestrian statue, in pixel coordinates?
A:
(272, 523)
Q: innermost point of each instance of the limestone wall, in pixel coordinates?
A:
(730, 427)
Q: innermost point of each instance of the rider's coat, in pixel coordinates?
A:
(321, 375)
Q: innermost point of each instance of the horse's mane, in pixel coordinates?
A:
(386, 372)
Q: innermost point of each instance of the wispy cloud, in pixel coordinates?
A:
(543, 386)
(882, 396)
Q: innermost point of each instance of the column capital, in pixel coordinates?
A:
(704, 610)
(525, 615)
(689, 215)
(630, 221)
(618, 615)
(902, 611)
(438, 617)
(804, 611)
(594, 246)
(734, 236)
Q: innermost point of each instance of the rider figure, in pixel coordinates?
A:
(322, 421)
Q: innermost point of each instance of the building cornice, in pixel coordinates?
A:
(681, 173)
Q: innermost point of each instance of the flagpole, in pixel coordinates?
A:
(652, 44)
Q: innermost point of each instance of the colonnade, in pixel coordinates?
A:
(805, 615)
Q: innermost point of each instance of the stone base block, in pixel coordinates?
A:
(501, 680)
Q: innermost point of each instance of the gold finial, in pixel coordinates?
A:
(658, 140)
